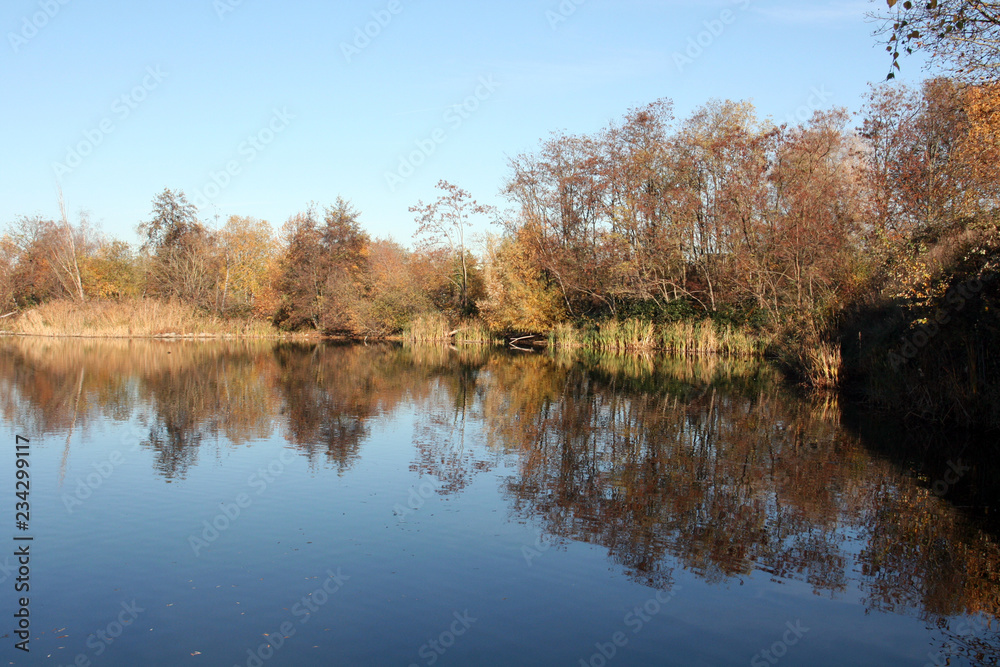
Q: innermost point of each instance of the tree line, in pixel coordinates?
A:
(836, 236)
(722, 213)
(319, 271)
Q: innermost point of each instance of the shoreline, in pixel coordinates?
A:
(849, 392)
(198, 336)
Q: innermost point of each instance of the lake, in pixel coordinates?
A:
(256, 503)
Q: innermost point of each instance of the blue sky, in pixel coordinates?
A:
(255, 107)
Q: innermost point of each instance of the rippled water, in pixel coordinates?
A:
(251, 504)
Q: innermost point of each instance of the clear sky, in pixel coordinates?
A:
(255, 107)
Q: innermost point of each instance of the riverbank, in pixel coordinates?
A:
(134, 318)
(950, 382)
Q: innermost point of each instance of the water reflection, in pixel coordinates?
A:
(711, 467)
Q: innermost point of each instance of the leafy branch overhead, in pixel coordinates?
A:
(959, 36)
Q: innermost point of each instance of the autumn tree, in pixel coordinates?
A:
(932, 156)
(174, 221)
(809, 233)
(248, 249)
(444, 224)
(33, 281)
(8, 264)
(182, 251)
(302, 279)
(113, 271)
(345, 248)
(322, 267)
(722, 157)
(641, 195)
(980, 145)
(889, 133)
(559, 193)
(390, 295)
(49, 259)
(517, 295)
(941, 184)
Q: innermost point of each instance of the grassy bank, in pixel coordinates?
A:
(135, 318)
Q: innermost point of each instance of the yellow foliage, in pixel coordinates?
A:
(249, 270)
(979, 149)
(518, 298)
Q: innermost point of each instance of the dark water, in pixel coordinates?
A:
(247, 504)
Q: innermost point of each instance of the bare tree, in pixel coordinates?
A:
(443, 223)
(65, 254)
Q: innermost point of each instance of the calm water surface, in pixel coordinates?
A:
(252, 504)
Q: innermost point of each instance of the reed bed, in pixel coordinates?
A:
(821, 365)
(135, 318)
(427, 328)
(678, 339)
(475, 332)
(434, 327)
(565, 337)
(624, 336)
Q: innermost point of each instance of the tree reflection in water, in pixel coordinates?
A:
(710, 466)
